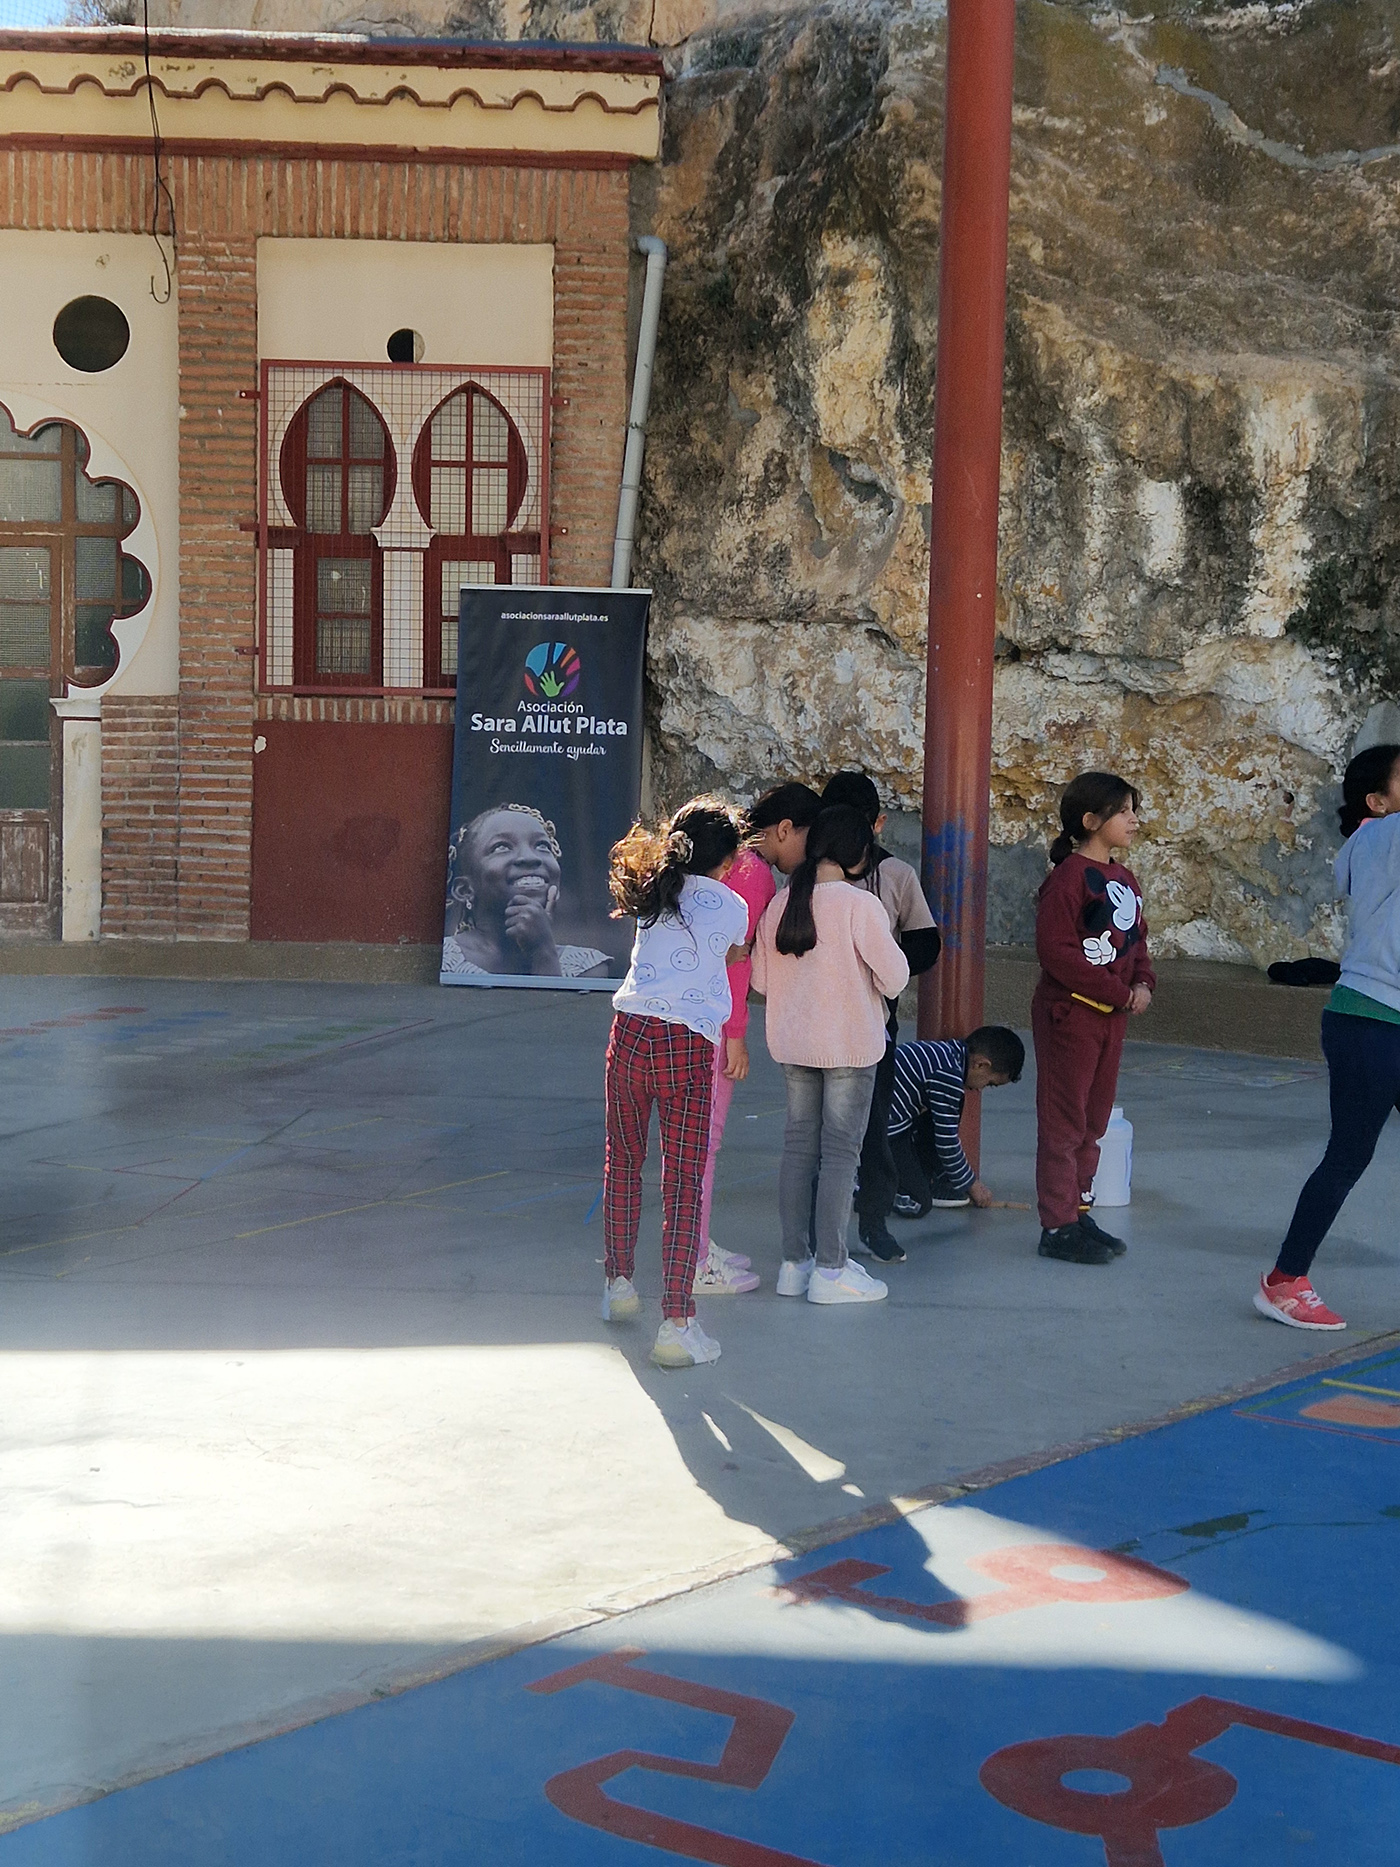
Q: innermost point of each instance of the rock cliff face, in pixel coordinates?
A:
(1200, 511)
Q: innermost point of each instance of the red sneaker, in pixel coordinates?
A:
(1296, 1304)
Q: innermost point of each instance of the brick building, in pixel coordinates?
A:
(245, 469)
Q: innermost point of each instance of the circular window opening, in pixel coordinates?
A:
(406, 346)
(91, 334)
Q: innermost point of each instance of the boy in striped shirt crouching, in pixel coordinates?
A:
(926, 1105)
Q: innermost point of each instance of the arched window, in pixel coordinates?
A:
(470, 477)
(338, 473)
(64, 579)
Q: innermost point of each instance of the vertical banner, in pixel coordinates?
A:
(546, 776)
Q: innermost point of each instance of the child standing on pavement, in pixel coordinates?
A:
(776, 829)
(724, 1273)
(1360, 1032)
(901, 894)
(1091, 940)
(671, 1009)
(825, 960)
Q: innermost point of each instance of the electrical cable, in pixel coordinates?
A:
(161, 191)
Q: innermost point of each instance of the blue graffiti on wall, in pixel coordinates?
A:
(955, 880)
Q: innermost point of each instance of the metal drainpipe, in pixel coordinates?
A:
(655, 251)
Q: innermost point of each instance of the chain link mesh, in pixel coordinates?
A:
(407, 397)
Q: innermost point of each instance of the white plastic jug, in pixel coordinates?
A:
(1113, 1183)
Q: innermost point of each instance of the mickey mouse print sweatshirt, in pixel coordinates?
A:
(1090, 935)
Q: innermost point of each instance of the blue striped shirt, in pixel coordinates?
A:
(930, 1078)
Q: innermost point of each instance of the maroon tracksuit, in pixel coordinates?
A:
(1091, 940)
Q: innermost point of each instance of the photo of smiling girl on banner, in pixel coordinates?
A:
(503, 881)
(546, 777)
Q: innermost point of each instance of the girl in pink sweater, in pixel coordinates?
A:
(826, 961)
(725, 1273)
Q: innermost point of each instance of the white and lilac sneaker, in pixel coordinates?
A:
(722, 1277)
(732, 1258)
(851, 1284)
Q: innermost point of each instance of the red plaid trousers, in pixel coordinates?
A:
(650, 1061)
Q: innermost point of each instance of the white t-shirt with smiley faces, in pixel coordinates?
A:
(678, 971)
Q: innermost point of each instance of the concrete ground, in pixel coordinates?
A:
(304, 1392)
(1138, 1656)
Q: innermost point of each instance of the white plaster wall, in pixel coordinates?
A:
(129, 413)
(338, 301)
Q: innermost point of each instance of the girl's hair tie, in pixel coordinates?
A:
(647, 869)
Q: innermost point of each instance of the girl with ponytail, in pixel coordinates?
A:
(1100, 794)
(671, 1009)
(1091, 941)
(826, 961)
(1360, 1032)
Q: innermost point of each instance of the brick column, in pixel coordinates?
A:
(590, 372)
(218, 587)
(140, 815)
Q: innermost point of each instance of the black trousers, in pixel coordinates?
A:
(1363, 1068)
(916, 1161)
(878, 1180)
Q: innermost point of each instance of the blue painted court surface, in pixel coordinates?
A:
(1179, 1649)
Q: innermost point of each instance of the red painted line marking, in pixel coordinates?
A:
(75, 1018)
(759, 1730)
(1025, 1570)
(1169, 1787)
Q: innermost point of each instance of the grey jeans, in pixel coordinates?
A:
(826, 1117)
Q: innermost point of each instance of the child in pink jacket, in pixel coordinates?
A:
(725, 1273)
(826, 961)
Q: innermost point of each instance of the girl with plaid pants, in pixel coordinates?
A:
(671, 1011)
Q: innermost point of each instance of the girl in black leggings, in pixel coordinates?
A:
(1360, 1032)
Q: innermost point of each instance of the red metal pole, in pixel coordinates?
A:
(966, 486)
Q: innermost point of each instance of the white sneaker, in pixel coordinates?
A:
(851, 1284)
(683, 1345)
(795, 1275)
(720, 1276)
(732, 1258)
(620, 1300)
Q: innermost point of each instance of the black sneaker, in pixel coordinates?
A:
(907, 1207)
(943, 1193)
(1073, 1245)
(882, 1246)
(1091, 1228)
